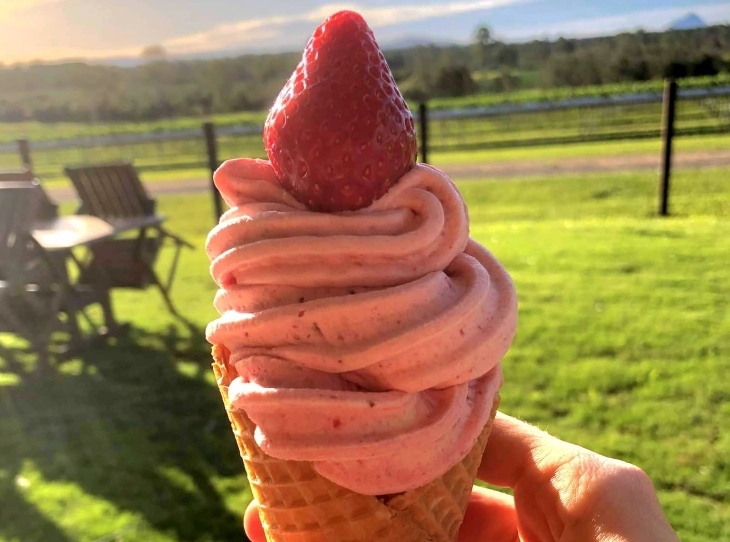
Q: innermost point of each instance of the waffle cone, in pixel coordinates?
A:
(298, 505)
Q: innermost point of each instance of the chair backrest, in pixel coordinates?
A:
(18, 203)
(46, 208)
(111, 190)
(16, 175)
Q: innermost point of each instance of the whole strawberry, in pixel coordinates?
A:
(340, 134)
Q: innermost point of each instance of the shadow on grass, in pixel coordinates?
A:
(123, 424)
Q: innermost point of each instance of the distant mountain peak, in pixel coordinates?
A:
(688, 22)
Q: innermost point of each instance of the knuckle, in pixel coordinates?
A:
(614, 478)
(628, 475)
(594, 478)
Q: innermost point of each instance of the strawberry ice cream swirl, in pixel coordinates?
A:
(367, 342)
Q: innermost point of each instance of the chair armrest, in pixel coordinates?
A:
(150, 206)
(179, 240)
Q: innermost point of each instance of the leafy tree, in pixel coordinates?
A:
(483, 36)
(454, 81)
(482, 45)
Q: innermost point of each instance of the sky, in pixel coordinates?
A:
(95, 29)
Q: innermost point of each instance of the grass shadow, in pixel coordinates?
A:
(125, 424)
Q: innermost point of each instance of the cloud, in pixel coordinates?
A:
(14, 7)
(252, 31)
(650, 20)
(386, 16)
(289, 31)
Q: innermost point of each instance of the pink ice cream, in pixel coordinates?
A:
(367, 342)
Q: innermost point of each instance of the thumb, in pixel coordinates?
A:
(490, 517)
(252, 523)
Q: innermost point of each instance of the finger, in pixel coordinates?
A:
(490, 516)
(252, 523)
(511, 448)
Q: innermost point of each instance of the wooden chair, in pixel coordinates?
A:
(46, 208)
(26, 308)
(115, 193)
(18, 203)
(37, 297)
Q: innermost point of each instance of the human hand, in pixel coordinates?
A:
(562, 493)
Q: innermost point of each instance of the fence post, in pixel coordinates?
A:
(423, 121)
(24, 151)
(668, 110)
(212, 146)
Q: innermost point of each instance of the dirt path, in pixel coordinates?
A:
(489, 170)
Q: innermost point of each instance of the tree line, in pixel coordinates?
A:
(159, 89)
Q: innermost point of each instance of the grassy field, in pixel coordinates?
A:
(605, 149)
(547, 154)
(623, 346)
(626, 127)
(65, 130)
(590, 91)
(594, 131)
(42, 131)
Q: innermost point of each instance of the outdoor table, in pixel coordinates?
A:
(68, 232)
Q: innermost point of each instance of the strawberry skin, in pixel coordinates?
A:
(340, 134)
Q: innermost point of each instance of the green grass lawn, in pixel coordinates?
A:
(623, 346)
(605, 149)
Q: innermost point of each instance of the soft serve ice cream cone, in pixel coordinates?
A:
(358, 349)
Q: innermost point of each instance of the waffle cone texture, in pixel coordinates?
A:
(298, 505)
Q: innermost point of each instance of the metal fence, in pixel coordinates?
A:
(635, 116)
(623, 117)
